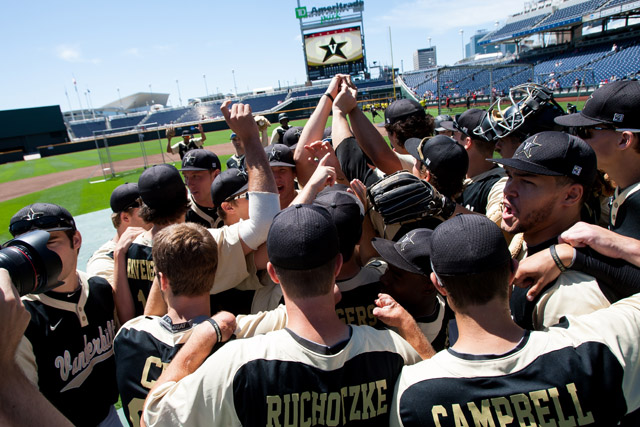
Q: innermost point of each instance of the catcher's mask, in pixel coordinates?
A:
(530, 109)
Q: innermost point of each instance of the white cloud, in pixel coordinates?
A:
(68, 53)
(441, 16)
(71, 53)
(133, 51)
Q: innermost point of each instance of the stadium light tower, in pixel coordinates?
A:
(206, 89)
(179, 96)
(462, 41)
(429, 38)
(120, 98)
(235, 87)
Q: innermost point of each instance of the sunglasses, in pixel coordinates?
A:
(244, 195)
(39, 223)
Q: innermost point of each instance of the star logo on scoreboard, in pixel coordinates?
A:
(333, 49)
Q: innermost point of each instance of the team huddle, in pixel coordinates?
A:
(327, 277)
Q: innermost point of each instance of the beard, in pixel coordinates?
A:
(523, 223)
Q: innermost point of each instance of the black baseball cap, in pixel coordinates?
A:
(401, 109)
(411, 253)
(555, 154)
(468, 121)
(161, 187)
(347, 214)
(124, 196)
(442, 155)
(292, 136)
(41, 216)
(616, 104)
(467, 244)
(228, 184)
(280, 155)
(302, 237)
(185, 133)
(200, 160)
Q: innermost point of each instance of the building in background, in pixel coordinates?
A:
(424, 58)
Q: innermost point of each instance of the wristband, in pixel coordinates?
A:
(556, 259)
(216, 327)
(329, 95)
(448, 207)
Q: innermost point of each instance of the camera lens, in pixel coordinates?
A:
(32, 266)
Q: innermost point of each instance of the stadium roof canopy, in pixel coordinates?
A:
(137, 100)
(542, 16)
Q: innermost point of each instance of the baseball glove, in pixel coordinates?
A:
(262, 122)
(402, 196)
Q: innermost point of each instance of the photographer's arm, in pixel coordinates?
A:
(20, 401)
(202, 135)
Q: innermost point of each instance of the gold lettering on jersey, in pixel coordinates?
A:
(360, 315)
(527, 409)
(102, 344)
(145, 380)
(141, 269)
(352, 403)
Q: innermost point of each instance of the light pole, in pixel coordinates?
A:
(179, 96)
(235, 87)
(429, 38)
(121, 107)
(206, 89)
(462, 42)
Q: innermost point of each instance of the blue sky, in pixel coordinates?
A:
(131, 45)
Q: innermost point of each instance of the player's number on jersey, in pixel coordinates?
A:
(135, 410)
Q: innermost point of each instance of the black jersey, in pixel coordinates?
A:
(476, 194)
(143, 348)
(359, 295)
(68, 347)
(207, 217)
(140, 271)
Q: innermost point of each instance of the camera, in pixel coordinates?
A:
(33, 267)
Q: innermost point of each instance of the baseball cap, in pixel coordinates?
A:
(185, 133)
(292, 136)
(41, 216)
(302, 237)
(556, 154)
(615, 104)
(402, 109)
(467, 244)
(411, 253)
(233, 135)
(228, 184)
(442, 155)
(347, 214)
(124, 196)
(161, 187)
(280, 155)
(200, 160)
(283, 116)
(438, 122)
(468, 121)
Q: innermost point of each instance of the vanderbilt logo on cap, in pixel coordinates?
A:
(529, 146)
(406, 240)
(189, 160)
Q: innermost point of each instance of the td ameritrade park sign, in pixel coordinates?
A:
(329, 13)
